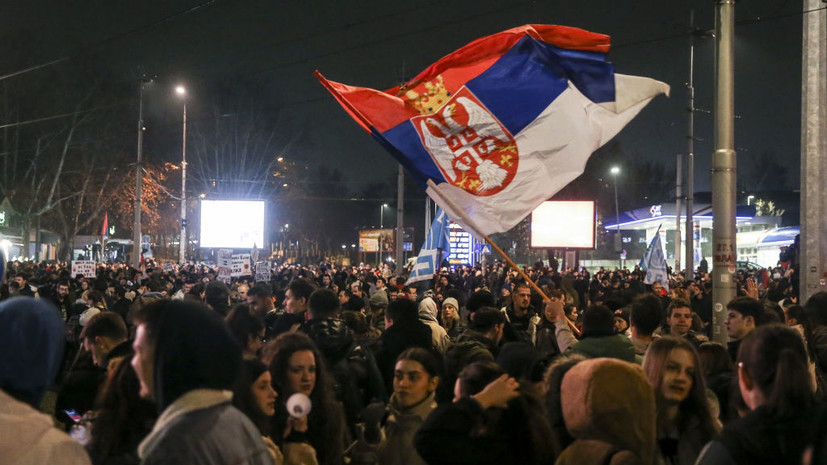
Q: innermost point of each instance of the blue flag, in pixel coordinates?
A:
(437, 240)
(654, 262)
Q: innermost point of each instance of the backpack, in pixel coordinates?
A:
(357, 381)
(73, 329)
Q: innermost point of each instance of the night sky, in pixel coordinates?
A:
(271, 48)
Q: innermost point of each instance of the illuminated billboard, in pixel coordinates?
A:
(462, 246)
(232, 224)
(563, 225)
(376, 240)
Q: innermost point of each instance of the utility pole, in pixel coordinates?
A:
(812, 268)
(400, 213)
(182, 251)
(678, 217)
(723, 170)
(689, 240)
(136, 226)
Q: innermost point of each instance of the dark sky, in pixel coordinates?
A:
(273, 47)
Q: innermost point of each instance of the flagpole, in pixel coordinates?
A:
(496, 248)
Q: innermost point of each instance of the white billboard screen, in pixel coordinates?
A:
(563, 225)
(232, 224)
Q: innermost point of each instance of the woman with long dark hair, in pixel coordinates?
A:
(254, 395)
(122, 419)
(719, 374)
(776, 385)
(684, 419)
(297, 366)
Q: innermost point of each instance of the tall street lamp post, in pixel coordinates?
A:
(382, 215)
(381, 228)
(182, 252)
(618, 243)
(136, 226)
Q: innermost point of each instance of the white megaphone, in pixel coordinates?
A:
(298, 405)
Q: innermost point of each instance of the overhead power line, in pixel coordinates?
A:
(109, 40)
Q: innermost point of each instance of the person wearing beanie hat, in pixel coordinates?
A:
(451, 319)
(599, 338)
(187, 360)
(622, 322)
(31, 350)
(378, 303)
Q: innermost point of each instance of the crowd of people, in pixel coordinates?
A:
(328, 364)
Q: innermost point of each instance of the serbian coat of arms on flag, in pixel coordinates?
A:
(502, 124)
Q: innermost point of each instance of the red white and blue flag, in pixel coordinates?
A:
(105, 228)
(505, 122)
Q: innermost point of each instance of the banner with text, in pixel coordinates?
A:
(240, 265)
(87, 268)
(263, 272)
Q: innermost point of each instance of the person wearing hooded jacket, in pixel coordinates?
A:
(358, 382)
(428, 311)
(31, 349)
(186, 360)
(609, 409)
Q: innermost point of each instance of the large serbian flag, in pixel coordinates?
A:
(502, 124)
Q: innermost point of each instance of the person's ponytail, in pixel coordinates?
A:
(791, 388)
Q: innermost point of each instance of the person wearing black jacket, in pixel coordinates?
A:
(403, 330)
(358, 382)
(295, 306)
(775, 384)
(490, 421)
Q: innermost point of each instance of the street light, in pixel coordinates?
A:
(182, 251)
(136, 226)
(381, 227)
(382, 215)
(615, 171)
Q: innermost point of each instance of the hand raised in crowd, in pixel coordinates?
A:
(752, 288)
(554, 306)
(498, 392)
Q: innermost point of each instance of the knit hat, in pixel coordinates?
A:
(450, 301)
(622, 313)
(379, 299)
(31, 347)
(480, 299)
